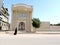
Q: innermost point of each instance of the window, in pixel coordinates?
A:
(22, 15)
(0, 23)
(0, 18)
(0, 13)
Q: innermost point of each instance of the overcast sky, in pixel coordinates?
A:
(45, 10)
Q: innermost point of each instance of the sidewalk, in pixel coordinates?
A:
(29, 39)
(48, 32)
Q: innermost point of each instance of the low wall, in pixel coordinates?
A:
(44, 26)
(50, 28)
(54, 28)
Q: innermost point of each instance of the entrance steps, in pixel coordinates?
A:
(2, 32)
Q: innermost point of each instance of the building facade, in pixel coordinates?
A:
(4, 21)
(21, 17)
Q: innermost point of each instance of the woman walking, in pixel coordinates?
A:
(15, 31)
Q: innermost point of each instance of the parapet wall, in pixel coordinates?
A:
(54, 28)
(44, 26)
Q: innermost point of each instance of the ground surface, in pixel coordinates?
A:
(30, 39)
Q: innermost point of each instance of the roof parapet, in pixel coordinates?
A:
(25, 5)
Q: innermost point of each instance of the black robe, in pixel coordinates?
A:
(15, 31)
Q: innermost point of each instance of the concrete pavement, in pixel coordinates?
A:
(30, 39)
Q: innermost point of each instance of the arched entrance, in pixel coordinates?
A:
(21, 26)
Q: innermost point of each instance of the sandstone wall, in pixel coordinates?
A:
(45, 26)
(54, 28)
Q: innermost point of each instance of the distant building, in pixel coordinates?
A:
(4, 24)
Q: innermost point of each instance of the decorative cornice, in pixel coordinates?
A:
(20, 4)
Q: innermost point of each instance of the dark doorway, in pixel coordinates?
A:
(21, 26)
(0, 28)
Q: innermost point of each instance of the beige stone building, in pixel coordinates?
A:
(21, 17)
(4, 20)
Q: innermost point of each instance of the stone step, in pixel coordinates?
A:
(2, 32)
(12, 32)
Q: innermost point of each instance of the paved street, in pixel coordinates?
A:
(30, 39)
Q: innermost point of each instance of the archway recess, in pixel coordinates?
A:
(21, 26)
